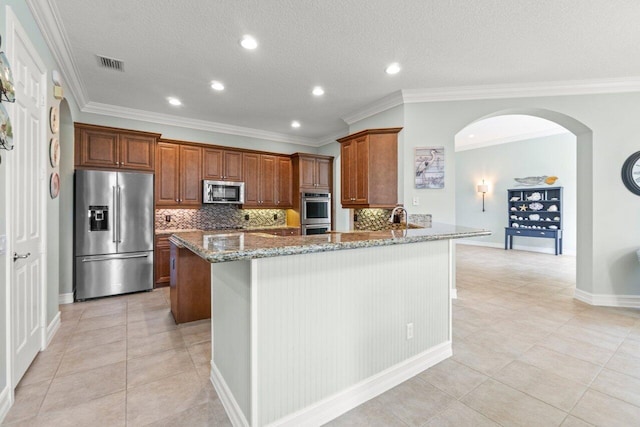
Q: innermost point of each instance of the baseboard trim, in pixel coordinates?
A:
(537, 249)
(607, 300)
(65, 298)
(52, 328)
(343, 401)
(229, 402)
(333, 406)
(5, 402)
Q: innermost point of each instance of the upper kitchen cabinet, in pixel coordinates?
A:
(369, 168)
(98, 147)
(222, 165)
(178, 175)
(267, 181)
(312, 172)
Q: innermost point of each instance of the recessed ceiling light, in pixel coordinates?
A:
(471, 135)
(393, 68)
(174, 101)
(318, 91)
(295, 124)
(217, 86)
(248, 42)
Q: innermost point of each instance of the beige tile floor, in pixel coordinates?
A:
(525, 354)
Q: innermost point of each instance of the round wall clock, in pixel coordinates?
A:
(631, 173)
(54, 120)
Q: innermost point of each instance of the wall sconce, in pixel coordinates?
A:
(483, 188)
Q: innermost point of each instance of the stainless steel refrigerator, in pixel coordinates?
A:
(114, 217)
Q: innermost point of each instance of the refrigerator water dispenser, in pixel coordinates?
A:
(98, 218)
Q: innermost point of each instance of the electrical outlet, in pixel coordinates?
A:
(167, 218)
(416, 201)
(409, 331)
(246, 217)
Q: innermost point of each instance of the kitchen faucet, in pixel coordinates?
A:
(406, 215)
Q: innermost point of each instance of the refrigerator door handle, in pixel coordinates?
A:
(118, 207)
(115, 217)
(92, 259)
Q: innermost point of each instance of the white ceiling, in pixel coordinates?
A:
(504, 129)
(176, 48)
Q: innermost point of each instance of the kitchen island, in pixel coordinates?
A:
(305, 328)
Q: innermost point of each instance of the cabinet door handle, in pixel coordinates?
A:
(542, 233)
(17, 256)
(177, 201)
(173, 264)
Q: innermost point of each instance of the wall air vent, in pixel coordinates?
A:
(110, 63)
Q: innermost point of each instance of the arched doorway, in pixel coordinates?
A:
(584, 186)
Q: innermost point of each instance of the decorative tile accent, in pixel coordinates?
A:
(218, 216)
(378, 219)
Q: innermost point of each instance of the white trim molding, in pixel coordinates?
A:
(454, 293)
(52, 328)
(65, 298)
(608, 300)
(343, 401)
(6, 401)
(229, 403)
(537, 249)
(185, 122)
(392, 100)
(513, 138)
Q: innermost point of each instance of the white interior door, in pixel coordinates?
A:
(26, 186)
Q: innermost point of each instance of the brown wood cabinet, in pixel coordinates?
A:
(98, 147)
(222, 165)
(178, 175)
(161, 261)
(190, 285)
(312, 172)
(369, 168)
(267, 181)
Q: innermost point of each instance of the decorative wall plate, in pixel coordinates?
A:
(54, 185)
(7, 91)
(6, 131)
(54, 120)
(54, 151)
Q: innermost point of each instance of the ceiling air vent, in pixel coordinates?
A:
(110, 63)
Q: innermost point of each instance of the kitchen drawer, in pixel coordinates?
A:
(533, 232)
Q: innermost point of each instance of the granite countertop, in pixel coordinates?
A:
(227, 245)
(225, 230)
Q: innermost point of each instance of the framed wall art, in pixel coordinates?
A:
(429, 167)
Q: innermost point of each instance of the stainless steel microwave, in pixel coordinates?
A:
(222, 192)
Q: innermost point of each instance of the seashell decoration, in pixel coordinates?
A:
(553, 208)
(551, 180)
(531, 180)
(534, 197)
(534, 217)
(513, 209)
(514, 199)
(515, 225)
(514, 217)
(536, 206)
(556, 218)
(553, 227)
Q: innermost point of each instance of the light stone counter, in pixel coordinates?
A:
(229, 245)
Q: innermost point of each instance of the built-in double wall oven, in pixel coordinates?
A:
(315, 212)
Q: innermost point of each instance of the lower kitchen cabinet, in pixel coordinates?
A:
(190, 285)
(161, 260)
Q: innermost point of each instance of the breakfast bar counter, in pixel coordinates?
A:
(305, 328)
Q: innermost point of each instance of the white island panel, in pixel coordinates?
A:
(326, 331)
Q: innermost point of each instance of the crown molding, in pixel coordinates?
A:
(558, 88)
(512, 138)
(47, 17)
(328, 139)
(392, 100)
(167, 119)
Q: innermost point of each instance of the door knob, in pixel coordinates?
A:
(17, 257)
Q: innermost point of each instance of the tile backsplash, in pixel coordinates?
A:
(218, 216)
(378, 219)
